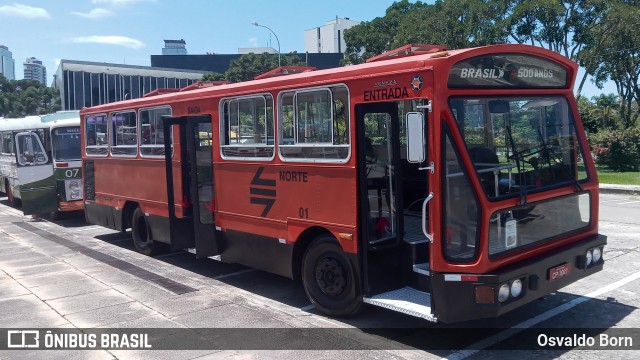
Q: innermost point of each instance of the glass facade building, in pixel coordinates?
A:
(7, 64)
(84, 84)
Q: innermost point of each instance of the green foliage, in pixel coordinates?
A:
(214, 76)
(613, 53)
(454, 23)
(27, 97)
(619, 150)
(248, 66)
(602, 112)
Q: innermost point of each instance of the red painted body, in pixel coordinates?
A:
(326, 194)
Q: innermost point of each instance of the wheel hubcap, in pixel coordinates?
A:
(330, 276)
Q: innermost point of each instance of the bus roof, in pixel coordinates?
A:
(443, 61)
(60, 118)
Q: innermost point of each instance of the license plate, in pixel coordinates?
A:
(558, 272)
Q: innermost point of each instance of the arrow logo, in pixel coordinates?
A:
(265, 194)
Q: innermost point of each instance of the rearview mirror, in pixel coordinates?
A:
(415, 137)
(499, 106)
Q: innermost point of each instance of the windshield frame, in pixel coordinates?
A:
(570, 170)
(55, 138)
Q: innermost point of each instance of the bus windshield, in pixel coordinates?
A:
(66, 143)
(520, 144)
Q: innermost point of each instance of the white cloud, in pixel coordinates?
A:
(253, 41)
(111, 40)
(119, 2)
(24, 11)
(95, 13)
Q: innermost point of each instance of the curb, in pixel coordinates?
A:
(619, 189)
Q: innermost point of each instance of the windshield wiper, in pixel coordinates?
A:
(522, 189)
(549, 149)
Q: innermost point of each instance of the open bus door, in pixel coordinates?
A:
(196, 228)
(35, 175)
(393, 210)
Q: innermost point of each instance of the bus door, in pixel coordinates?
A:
(37, 188)
(197, 227)
(381, 224)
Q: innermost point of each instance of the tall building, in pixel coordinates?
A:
(328, 38)
(7, 64)
(174, 47)
(34, 70)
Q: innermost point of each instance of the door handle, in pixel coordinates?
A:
(424, 217)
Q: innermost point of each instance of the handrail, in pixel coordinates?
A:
(424, 216)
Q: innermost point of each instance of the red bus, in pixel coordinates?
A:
(448, 185)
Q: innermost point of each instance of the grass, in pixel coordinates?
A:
(607, 176)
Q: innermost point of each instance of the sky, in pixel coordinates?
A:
(130, 31)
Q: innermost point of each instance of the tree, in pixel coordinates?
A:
(565, 27)
(614, 54)
(248, 66)
(214, 76)
(453, 23)
(27, 97)
(377, 36)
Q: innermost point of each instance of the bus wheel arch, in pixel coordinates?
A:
(141, 233)
(301, 245)
(330, 279)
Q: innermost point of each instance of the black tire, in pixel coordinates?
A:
(54, 215)
(329, 278)
(141, 233)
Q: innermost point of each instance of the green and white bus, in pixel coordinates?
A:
(40, 163)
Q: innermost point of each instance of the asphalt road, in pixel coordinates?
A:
(70, 274)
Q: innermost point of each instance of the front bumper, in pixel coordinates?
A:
(454, 300)
(76, 205)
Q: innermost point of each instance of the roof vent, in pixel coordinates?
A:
(285, 70)
(408, 50)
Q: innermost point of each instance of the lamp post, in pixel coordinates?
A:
(274, 34)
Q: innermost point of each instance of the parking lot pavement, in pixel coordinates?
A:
(52, 277)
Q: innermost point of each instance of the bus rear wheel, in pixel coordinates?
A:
(329, 278)
(141, 233)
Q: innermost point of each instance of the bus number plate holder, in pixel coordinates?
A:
(560, 271)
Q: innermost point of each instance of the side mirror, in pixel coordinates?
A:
(415, 137)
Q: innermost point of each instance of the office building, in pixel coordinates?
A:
(34, 70)
(220, 62)
(83, 83)
(174, 47)
(7, 64)
(328, 38)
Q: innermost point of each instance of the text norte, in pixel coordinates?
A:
(386, 94)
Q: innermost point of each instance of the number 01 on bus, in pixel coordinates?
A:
(448, 185)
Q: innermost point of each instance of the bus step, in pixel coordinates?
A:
(420, 278)
(406, 300)
(421, 268)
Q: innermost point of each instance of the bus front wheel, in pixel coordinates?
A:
(329, 278)
(141, 233)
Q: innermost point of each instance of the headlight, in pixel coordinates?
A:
(516, 288)
(503, 293)
(589, 257)
(597, 255)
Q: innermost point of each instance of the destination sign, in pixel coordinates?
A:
(508, 70)
(67, 130)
